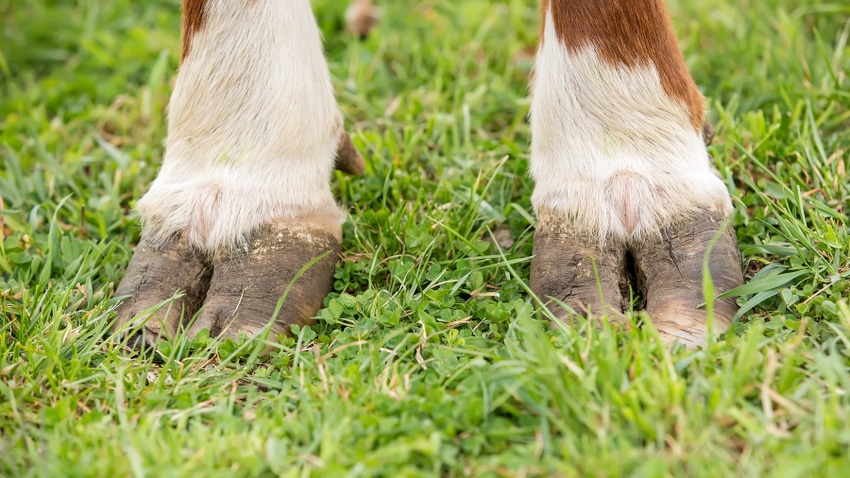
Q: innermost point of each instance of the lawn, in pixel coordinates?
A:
(429, 358)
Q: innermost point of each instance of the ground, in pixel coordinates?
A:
(429, 358)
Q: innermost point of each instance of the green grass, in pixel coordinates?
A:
(429, 358)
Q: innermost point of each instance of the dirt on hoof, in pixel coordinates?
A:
(248, 282)
(670, 276)
(562, 269)
(666, 271)
(156, 273)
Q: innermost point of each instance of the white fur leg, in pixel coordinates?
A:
(611, 151)
(253, 126)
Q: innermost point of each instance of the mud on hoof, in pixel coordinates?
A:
(156, 273)
(666, 270)
(248, 281)
(236, 290)
(575, 269)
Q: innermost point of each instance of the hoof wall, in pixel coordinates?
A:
(236, 291)
(665, 270)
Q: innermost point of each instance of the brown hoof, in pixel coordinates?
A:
(249, 281)
(157, 273)
(578, 271)
(670, 276)
(666, 270)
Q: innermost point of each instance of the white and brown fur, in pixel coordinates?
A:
(253, 124)
(617, 140)
(617, 121)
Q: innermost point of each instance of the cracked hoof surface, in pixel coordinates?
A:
(666, 270)
(237, 290)
(248, 282)
(563, 268)
(670, 270)
(156, 273)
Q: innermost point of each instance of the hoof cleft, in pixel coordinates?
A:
(666, 270)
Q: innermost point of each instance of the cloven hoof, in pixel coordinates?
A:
(665, 270)
(157, 273)
(236, 290)
(248, 282)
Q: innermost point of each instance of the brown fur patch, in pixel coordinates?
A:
(194, 15)
(632, 33)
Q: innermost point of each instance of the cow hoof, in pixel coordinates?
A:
(669, 269)
(237, 290)
(577, 271)
(293, 262)
(157, 273)
(666, 270)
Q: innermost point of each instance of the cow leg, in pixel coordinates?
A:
(361, 16)
(624, 191)
(241, 211)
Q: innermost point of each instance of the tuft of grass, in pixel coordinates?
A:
(429, 357)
